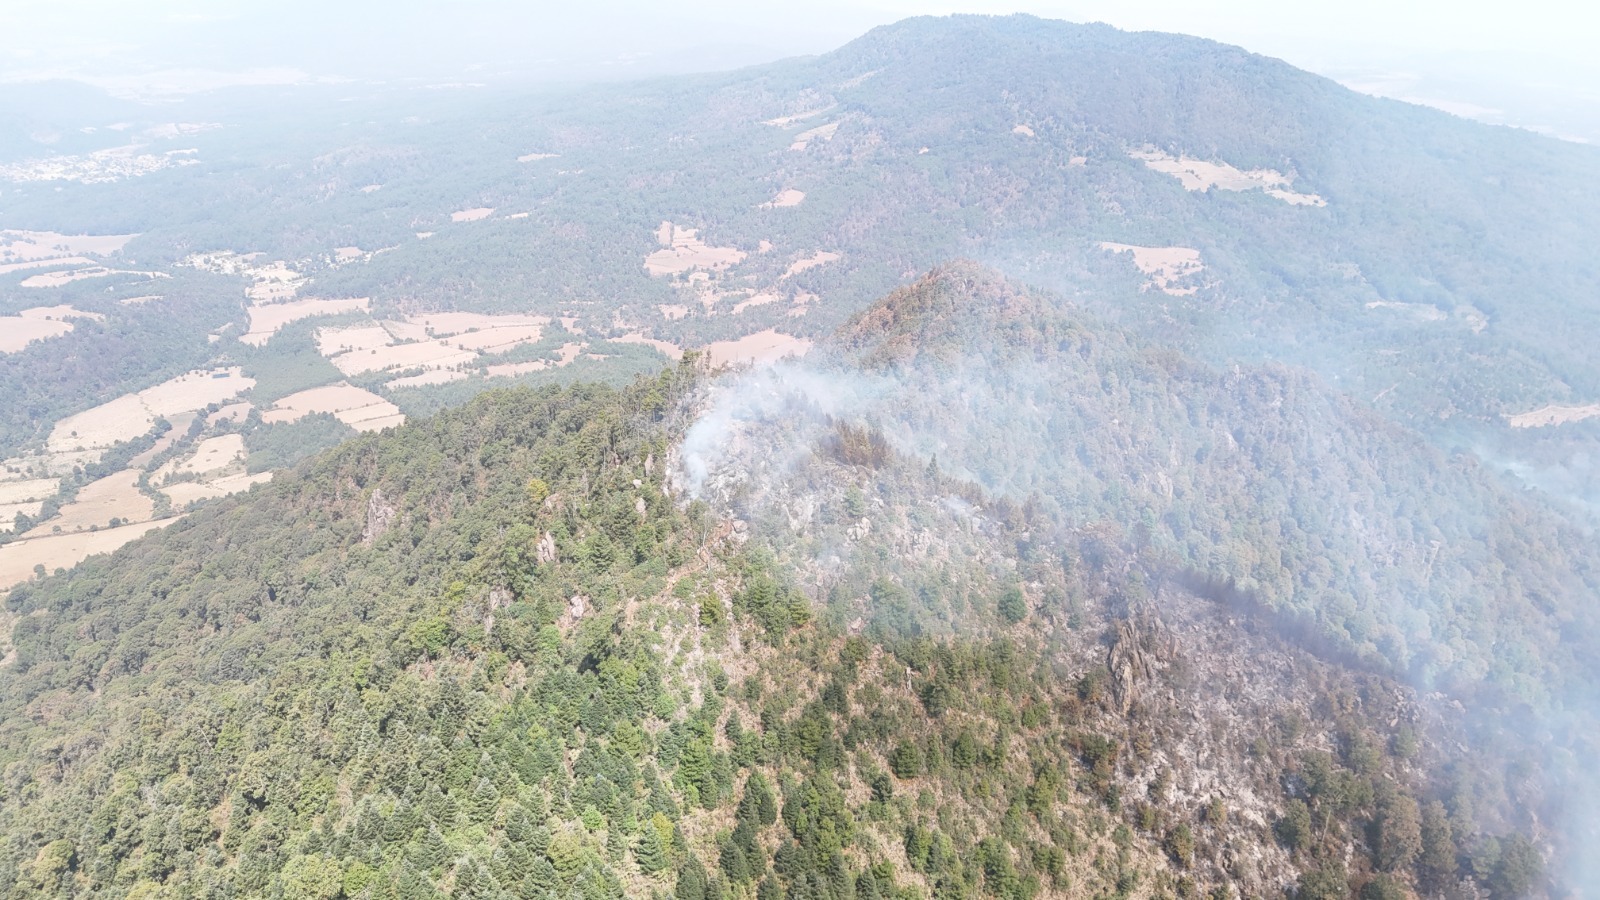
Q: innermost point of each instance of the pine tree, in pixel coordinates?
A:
(757, 806)
(399, 825)
(567, 856)
(691, 881)
(435, 852)
(649, 853)
(485, 801)
(733, 863)
(542, 875)
(466, 880)
(518, 864)
(518, 825)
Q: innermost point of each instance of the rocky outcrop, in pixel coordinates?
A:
(380, 517)
(1141, 647)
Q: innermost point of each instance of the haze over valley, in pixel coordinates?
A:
(989, 456)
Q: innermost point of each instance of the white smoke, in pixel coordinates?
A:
(755, 412)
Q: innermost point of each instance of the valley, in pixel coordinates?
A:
(993, 458)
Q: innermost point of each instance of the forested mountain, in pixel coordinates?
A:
(1181, 545)
(532, 647)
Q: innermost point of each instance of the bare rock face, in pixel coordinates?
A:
(1140, 647)
(499, 597)
(380, 517)
(545, 550)
(577, 606)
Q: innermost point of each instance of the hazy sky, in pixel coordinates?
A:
(140, 45)
(89, 35)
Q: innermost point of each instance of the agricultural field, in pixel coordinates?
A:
(37, 324)
(209, 455)
(761, 347)
(112, 500)
(184, 493)
(359, 408)
(785, 198)
(1201, 175)
(1553, 415)
(682, 251)
(20, 560)
(1171, 269)
(67, 276)
(819, 258)
(267, 319)
(133, 415)
(32, 246)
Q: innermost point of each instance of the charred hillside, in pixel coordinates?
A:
(502, 653)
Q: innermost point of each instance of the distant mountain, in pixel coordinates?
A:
(48, 117)
(1443, 281)
(1177, 545)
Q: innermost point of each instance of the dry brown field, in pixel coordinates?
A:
(821, 257)
(494, 340)
(786, 197)
(115, 496)
(567, 353)
(786, 121)
(209, 455)
(236, 412)
(1201, 175)
(671, 350)
(18, 558)
(180, 428)
(267, 319)
(819, 133)
(9, 511)
(24, 246)
(351, 339)
(25, 490)
(424, 354)
(184, 493)
(436, 376)
(57, 279)
(8, 268)
(1166, 266)
(761, 299)
(17, 332)
(761, 347)
(448, 323)
(131, 415)
(1553, 415)
(683, 251)
(359, 408)
(37, 324)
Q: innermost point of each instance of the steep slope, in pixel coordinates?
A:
(1259, 488)
(1261, 475)
(488, 656)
